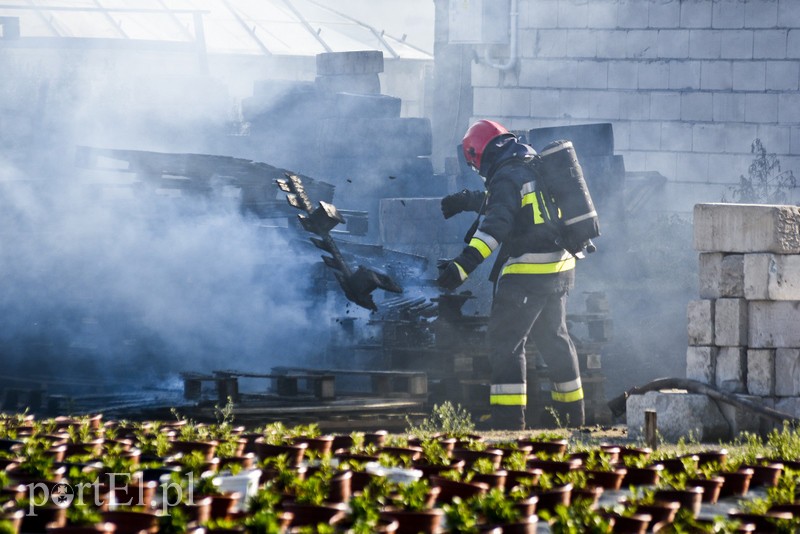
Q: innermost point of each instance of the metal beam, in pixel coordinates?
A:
(250, 31)
(177, 21)
(32, 6)
(307, 26)
(117, 26)
(46, 20)
(375, 32)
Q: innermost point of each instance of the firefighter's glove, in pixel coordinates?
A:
(451, 274)
(462, 201)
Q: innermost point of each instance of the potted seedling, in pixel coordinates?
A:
(498, 510)
(309, 502)
(602, 472)
(411, 507)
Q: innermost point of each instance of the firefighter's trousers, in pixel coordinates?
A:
(521, 308)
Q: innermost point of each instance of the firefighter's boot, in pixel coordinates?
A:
(568, 414)
(505, 418)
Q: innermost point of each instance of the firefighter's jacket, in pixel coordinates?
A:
(515, 224)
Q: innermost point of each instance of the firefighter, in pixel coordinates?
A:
(532, 276)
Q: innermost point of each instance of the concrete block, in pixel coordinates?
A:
(782, 75)
(770, 44)
(697, 106)
(573, 14)
(728, 14)
(761, 372)
(789, 109)
(730, 322)
(771, 277)
(789, 13)
(695, 14)
(773, 324)
(761, 108)
(612, 44)
(654, 75)
(592, 74)
(665, 14)
(705, 44)
(678, 414)
(731, 369)
(544, 14)
(701, 363)
(737, 137)
(700, 322)
(675, 136)
(691, 167)
(716, 75)
(684, 75)
(623, 74)
(737, 44)
(787, 372)
(724, 166)
(728, 107)
(636, 106)
(721, 275)
(645, 135)
(601, 14)
(708, 137)
(761, 14)
(632, 14)
(793, 44)
(746, 228)
(789, 406)
(746, 421)
(641, 44)
(673, 44)
(749, 76)
(581, 43)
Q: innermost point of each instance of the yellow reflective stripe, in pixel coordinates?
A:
(508, 400)
(571, 385)
(482, 248)
(540, 268)
(572, 396)
(532, 199)
(461, 272)
(508, 389)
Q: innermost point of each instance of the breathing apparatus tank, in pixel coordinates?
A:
(563, 183)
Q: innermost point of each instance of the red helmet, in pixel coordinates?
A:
(477, 138)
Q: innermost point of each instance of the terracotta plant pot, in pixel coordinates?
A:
(711, 487)
(591, 494)
(451, 488)
(554, 466)
(689, 498)
(377, 438)
(14, 517)
(414, 453)
(634, 452)
(719, 456)
(311, 514)
(550, 498)
(736, 482)
(246, 461)
(294, 452)
(763, 523)
(514, 478)
(676, 465)
(138, 493)
(426, 521)
(105, 528)
(660, 511)
(527, 507)
(493, 480)
(435, 470)
(556, 446)
(206, 448)
(765, 475)
(529, 526)
(321, 445)
(630, 524)
(610, 480)
(470, 456)
(642, 476)
(223, 505)
(199, 510)
(340, 487)
(42, 517)
(131, 522)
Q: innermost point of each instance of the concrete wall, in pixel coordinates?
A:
(687, 84)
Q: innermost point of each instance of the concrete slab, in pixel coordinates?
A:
(761, 372)
(745, 421)
(730, 322)
(787, 372)
(721, 275)
(746, 228)
(773, 324)
(678, 414)
(772, 277)
(701, 363)
(731, 369)
(700, 322)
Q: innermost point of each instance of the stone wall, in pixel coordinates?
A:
(687, 84)
(743, 330)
